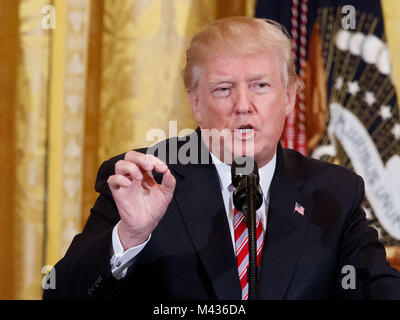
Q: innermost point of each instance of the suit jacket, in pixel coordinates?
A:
(190, 253)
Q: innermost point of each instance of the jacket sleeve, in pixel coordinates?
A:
(362, 252)
(85, 272)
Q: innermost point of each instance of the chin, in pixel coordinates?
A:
(263, 154)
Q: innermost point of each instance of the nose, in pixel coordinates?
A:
(242, 100)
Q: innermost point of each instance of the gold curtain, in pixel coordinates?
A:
(73, 96)
(391, 14)
(24, 106)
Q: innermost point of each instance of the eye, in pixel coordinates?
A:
(260, 87)
(221, 91)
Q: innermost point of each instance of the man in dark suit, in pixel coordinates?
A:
(170, 231)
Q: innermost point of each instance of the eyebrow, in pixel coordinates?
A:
(219, 81)
(260, 76)
(255, 77)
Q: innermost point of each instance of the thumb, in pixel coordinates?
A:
(168, 184)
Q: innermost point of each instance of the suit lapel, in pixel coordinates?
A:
(285, 231)
(198, 197)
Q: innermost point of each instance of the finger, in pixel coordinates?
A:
(127, 168)
(146, 162)
(139, 159)
(130, 169)
(168, 183)
(117, 181)
(157, 164)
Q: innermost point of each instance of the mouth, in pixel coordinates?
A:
(244, 132)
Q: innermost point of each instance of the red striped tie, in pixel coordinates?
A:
(242, 248)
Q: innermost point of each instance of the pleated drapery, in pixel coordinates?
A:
(71, 97)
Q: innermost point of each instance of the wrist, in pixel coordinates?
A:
(130, 239)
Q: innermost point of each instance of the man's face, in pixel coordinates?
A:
(239, 93)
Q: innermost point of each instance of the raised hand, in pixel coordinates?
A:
(140, 200)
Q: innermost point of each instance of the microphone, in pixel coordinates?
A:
(242, 169)
(247, 198)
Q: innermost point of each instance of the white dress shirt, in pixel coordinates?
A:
(225, 179)
(121, 259)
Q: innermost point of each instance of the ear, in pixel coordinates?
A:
(194, 104)
(291, 93)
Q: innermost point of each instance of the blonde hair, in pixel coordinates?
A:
(241, 36)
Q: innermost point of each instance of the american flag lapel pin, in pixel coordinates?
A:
(298, 208)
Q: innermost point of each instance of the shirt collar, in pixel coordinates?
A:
(266, 173)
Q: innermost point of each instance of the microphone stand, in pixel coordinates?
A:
(249, 212)
(247, 198)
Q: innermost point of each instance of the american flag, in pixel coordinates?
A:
(299, 209)
(344, 61)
